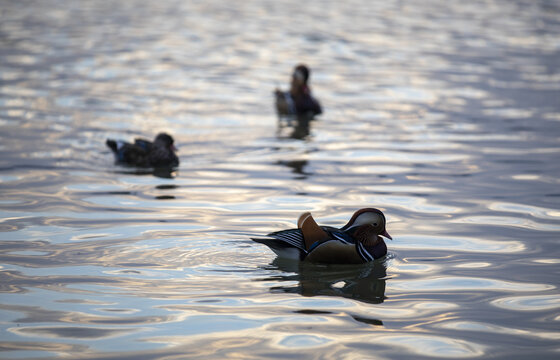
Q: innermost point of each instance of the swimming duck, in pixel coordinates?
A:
(298, 100)
(359, 241)
(144, 153)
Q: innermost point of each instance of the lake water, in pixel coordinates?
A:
(445, 114)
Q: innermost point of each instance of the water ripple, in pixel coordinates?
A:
(443, 114)
(539, 212)
(432, 346)
(493, 329)
(529, 303)
(71, 332)
(454, 283)
(508, 221)
(456, 243)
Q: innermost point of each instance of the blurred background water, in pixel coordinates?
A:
(445, 114)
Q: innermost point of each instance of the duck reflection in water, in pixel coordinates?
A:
(349, 261)
(162, 172)
(296, 126)
(298, 168)
(365, 282)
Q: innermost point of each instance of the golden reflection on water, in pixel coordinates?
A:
(509, 331)
(453, 284)
(455, 243)
(529, 303)
(445, 115)
(509, 221)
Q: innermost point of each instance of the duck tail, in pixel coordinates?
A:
(112, 144)
(282, 249)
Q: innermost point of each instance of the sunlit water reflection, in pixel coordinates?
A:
(443, 114)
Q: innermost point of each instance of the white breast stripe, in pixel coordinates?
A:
(338, 237)
(364, 254)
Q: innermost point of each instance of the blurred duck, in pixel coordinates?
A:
(144, 153)
(298, 100)
(359, 241)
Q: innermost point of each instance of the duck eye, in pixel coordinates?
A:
(375, 224)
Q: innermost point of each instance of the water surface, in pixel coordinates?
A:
(446, 115)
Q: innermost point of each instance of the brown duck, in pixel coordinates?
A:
(359, 241)
(144, 153)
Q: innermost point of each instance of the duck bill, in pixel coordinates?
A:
(174, 148)
(386, 234)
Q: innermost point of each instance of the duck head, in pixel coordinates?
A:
(300, 78)
(367, 226)
(166, 141)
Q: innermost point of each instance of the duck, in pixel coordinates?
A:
(144, 153)
(298, 100)
(361, 240)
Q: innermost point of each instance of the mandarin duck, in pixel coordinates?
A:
(298, 100)
(359, 241)
(145, 153)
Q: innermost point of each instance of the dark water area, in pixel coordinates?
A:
(444, 114)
